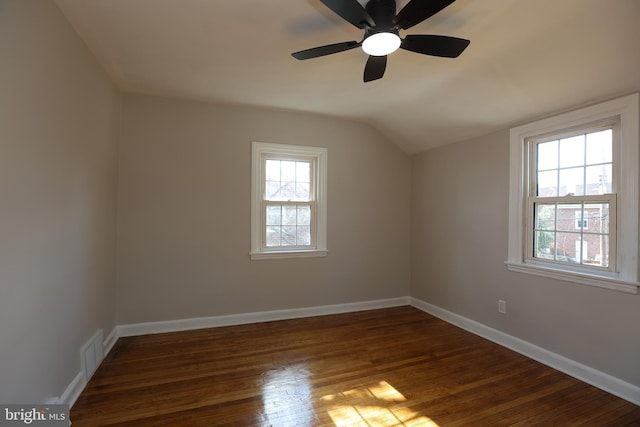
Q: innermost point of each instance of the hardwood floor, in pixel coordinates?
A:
(389, 367)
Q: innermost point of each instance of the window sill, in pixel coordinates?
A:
(570, 276)
(315, 253)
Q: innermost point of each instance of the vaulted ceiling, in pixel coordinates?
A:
(527, 59)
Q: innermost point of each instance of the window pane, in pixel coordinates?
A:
(547, 155)
(566, 247)
(288, 171)
(595, 250)
(544, 244)
(288, 191)
(274, 215)
(289, 235)
(572, 151)
(545, 217)
(273, 170)
(289, 214)
(548, 184)
(599, 179)
(567, 216)
(304, 236)
(274, 236)
(302, 192)
(273, 190)
(597, 215)
(582, 249)
(571, 182)
(599, 147)
(303, 173)
(304, 215)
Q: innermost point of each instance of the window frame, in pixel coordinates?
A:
(571, 199)
(317, 156)
(626, 111)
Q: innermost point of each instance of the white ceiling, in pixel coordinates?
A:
(527, 59)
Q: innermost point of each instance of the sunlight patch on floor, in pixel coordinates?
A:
(373, 406)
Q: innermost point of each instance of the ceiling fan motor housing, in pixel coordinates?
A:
(383, 13)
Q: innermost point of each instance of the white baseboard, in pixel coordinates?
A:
(110, 341)
(92, 354)
(73, 391)
(570, 367)
(246, 318)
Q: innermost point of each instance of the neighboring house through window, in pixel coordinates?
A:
(288, 205)
(574, 187)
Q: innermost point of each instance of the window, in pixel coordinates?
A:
(571, 183)
(573, 196)
(288, 208)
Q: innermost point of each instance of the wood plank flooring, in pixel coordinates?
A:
(389, 367)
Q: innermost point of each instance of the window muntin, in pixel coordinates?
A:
(572, 184)
(288, 201)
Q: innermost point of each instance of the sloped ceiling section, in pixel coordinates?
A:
(527, 59)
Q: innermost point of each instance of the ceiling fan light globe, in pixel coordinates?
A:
(381, 44)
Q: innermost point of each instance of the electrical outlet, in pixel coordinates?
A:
(502, 306)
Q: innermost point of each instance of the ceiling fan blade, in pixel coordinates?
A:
(427, 44)
(351, 11)
(375, 67)
(325, 50)
(417, 11)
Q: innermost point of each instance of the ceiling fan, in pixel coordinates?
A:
(382, 26)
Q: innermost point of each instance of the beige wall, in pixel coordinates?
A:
(184, 213)
(58, 127)
(459, 245)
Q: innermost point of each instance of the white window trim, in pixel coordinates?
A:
(259, 149)
(627, 109)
